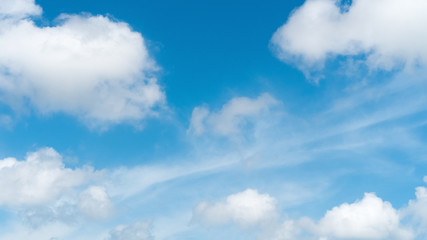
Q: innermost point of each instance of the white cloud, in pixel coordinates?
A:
(95, 203)
(136, 231)
(231, 117)
(369, 218)
(389, 32)
(88, 66)
(245, 208)
(18, 8)
(39, 179)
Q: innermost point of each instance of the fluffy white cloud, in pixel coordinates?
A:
(388, 32)
(88, 66)
(231, 116)
(39, 179)
(245, 208)
(136, 231)
(369, 218)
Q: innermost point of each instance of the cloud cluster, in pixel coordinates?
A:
(231, 117)
(368, 218)
(44, 193)
(387, 33)
(88, 66)
(41, 178)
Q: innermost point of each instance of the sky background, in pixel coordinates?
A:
(277, 120)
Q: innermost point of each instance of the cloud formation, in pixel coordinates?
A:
(369, 218)
(91, 67)
(387, 33)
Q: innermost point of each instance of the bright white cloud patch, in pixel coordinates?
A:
(245, 208)
(231, 116)
(388, 32)
(39, 179)
(88, 66)
(369, 218)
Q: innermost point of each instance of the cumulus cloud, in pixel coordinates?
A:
(40, 178)
(136, 231)
(88, 66)
(231, 117)
(245, 208)
(369, 218)
(388, 33)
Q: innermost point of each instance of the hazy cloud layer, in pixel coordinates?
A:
(136, 231)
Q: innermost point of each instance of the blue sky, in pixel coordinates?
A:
(276, 120)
